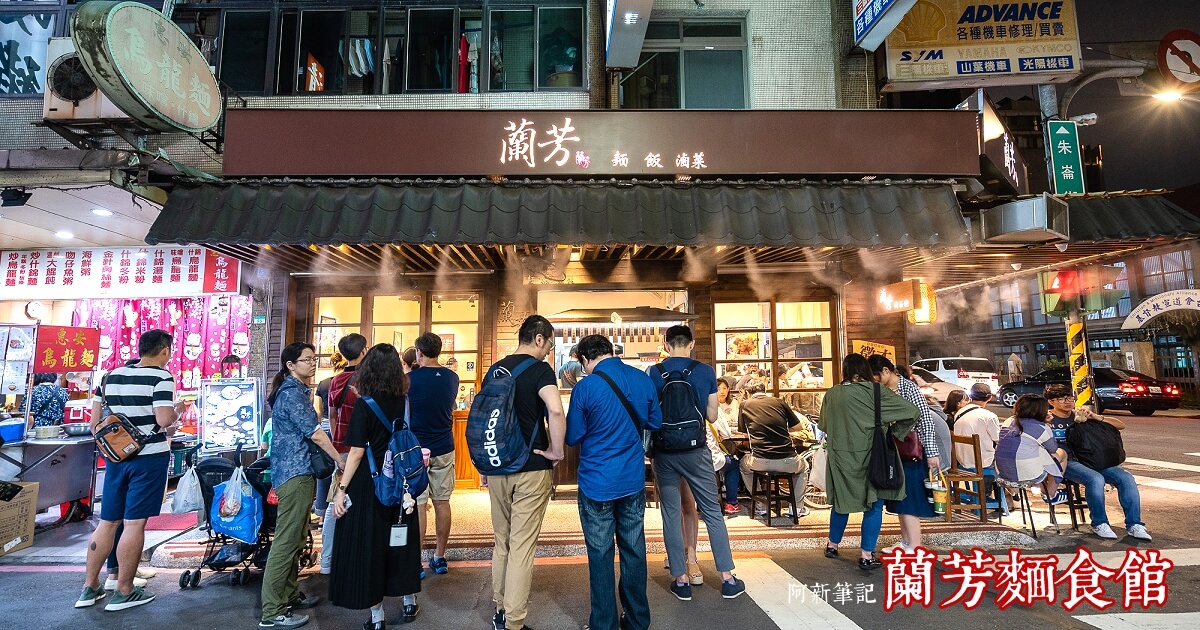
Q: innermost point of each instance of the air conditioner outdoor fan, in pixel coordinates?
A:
(69, 80)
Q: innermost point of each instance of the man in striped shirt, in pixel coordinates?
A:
(133, 489)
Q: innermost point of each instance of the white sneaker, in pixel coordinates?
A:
(1139, 531)
(1103, 530)
(111, 585)
(145, 573)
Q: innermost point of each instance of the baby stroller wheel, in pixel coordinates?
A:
(235, 577)
(185, 579)
(196, 578)
(245, 577)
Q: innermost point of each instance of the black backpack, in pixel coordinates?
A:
(683, 424)
(1096, 444)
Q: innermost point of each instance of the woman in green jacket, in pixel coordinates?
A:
(848, 417)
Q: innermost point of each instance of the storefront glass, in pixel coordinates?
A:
(335, 318)
(455, 318)
(789, 345)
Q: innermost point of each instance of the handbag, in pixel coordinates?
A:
(647, 436)
(910, 447)
(118, 439)
(321, 463)
(816, 470)
(883, 468)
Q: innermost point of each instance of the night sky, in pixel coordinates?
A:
(1146, 143)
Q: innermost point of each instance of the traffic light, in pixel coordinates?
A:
(1095, 296)
(1059, 291)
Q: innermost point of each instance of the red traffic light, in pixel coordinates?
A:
(1064, 283)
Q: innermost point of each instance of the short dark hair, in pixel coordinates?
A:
(533, 326)
(290, 354)
(380, 373)
(593, 346)
(231, 358)
(856, 364)
(905, 371)
(429, 345)
(1030, 407)
(45, 377)
(678, 336)
(952, 400)
(755, 386)
(351, 346)
(409, 357)
(153, 342)
(1057, 390)
(879, 363)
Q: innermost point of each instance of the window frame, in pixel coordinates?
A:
(684, 44)
(774, 332)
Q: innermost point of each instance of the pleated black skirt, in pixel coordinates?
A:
(365, 567)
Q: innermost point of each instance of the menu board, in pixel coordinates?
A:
(230, 414)
(16, 350)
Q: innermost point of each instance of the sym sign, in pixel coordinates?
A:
(147, 66)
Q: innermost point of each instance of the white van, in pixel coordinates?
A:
(963, 371)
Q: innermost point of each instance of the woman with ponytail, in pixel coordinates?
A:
(293, 421)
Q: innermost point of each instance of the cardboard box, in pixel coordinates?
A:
(17, 519)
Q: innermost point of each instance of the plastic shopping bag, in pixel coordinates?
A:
(236, 490)
(243, 525)
(816, 476)
(188, 497)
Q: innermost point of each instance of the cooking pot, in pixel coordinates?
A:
(77, 429)
(45, 433)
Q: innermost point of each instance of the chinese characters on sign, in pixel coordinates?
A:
(1065, 157)
(117, 272)
(963, 39)
(23, 62)
(1025, 580)
(520, 147)
(66, 349)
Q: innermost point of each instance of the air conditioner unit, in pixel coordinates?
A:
(70, 92)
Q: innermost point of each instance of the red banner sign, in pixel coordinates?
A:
(116, 272)
(66, 349)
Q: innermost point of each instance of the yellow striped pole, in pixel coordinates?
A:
(1077, 352)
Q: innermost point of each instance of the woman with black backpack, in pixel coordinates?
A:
(377, 548)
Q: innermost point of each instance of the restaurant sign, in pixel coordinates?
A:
(62, 349)
(118, 272)
(964, 43)
(146, 65)
(899, 297)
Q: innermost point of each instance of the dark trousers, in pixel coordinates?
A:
(603, 522)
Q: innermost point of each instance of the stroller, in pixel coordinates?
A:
(223, 553)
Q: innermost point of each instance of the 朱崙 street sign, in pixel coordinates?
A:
(1179, 59)
(1065, 157)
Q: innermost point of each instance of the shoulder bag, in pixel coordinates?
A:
(117, 438)
(883, 468)
(647, 436)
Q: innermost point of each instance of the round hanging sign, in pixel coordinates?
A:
(146, 66)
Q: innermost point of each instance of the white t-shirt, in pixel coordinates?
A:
(975, 420)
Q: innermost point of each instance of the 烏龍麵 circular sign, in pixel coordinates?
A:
(146, 66)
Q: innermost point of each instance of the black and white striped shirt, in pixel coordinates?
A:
(136, 391)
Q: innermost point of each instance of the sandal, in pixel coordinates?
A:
(695, 576)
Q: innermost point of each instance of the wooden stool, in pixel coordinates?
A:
(769, 487)
(972, 482)
(1076, 503)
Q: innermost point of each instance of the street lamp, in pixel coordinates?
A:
(1172, 96)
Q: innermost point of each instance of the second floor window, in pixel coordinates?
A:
(689, 64)
(1006, 306)
(1167, 272)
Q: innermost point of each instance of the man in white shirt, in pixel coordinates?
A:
(975, 419)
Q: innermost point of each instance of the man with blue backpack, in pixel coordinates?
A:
(515, 437)
(687, 392)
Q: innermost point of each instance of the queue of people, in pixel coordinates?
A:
(372, 550)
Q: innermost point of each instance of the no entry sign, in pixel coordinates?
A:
(1179, 59)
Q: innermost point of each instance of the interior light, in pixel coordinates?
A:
(101, 212)
(631, 17)
(63, 234)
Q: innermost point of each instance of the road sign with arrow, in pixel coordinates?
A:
(1179, 59)
(1065, 157)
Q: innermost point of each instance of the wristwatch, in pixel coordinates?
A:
(341, 488)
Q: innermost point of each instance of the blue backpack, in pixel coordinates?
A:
(403, 466)
(494, 437)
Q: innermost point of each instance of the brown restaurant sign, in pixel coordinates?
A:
(582, 144)
(146, 66)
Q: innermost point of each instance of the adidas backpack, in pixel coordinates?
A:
(494, 438)
(683, 424)
(403, 465)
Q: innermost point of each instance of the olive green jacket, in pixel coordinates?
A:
(848, 417)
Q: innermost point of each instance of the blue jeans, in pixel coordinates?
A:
(733, 475)
(1093, 489)
(871, 524)
(603, 522)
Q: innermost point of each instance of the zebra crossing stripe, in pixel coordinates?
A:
(791, 605)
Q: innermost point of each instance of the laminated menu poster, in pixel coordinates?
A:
(16, 375)
(19, 345)
(230, 414)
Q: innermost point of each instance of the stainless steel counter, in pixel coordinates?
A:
(65, 467)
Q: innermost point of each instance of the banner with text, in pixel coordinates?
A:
(117, 272)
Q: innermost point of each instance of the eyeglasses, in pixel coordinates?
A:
(1064, 398)
(308, 360)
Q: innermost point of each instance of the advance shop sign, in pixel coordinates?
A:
(147, 66)
(966, 44)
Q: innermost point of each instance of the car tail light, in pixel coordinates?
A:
(1171, 390)
(1130, 388)
(963, 373)
(995, 376)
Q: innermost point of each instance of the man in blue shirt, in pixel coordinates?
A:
(431, 393)
(694, 467)
(612, 478)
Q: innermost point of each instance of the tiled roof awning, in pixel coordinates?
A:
(783, 214)
(1126, 217)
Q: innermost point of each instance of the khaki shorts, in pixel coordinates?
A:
(441, 478)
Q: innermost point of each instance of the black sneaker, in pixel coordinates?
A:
(731, 589)
(301, 602)
(682, 591)
(867, 564)
(498, 621)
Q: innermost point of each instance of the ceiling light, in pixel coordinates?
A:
(101, 212)
(14, 196)
(631, 17)
(63, 234)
